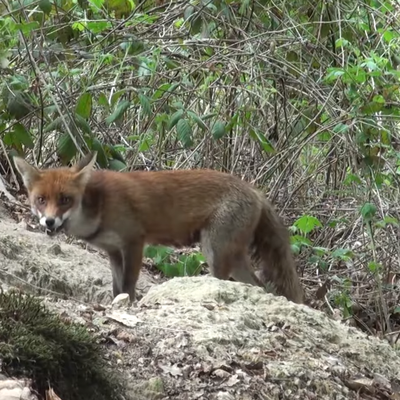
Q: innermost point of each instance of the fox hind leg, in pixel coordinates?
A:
(242, 272)
(225, 243)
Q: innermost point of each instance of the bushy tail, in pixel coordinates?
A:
(271, 250)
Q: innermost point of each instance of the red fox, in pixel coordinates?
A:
(120, 212)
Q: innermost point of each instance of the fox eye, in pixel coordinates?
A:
(41, 200)
(64, 200)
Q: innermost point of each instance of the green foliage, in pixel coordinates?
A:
(36, 343)
(185, 265)
(307, 223)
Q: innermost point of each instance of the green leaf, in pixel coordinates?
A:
(45, 6)
(320, 251)
(189, 10)
(307, 223)
(173, 87)
(300, 240)
(28, 27)
(196, 23)
(175, 117)
(197, 119)
(23, 136)
(54, 125)
(368, 211)
(378, 99)
(116, 165)
(218, 130)
(295, 248)
(343, 254)
(333, 74)
(262, 140)
(97, 26)
(18, 105)
(150, 251)
(350, 178)
(391, 220)
(83, 124)
(374, 267)
(66, 148)
(184, 131)
(341, 128)
(191, 265)
(97, 3)
(84, 105)
(208, 116)
(103, 101)
(116, 154)
(101, 154)
(341, 42)
(145, 103)
(8, 139)
(169, 270)
(118, 112)
(145, 143)
(163, 254)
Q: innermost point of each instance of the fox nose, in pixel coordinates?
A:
(50, 222)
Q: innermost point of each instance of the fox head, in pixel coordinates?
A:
(56, 194)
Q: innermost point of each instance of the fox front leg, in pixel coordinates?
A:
(117, 268)
(132, 262)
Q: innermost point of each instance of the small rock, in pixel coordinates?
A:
(55, 249)
(121, 300)
(221, 373)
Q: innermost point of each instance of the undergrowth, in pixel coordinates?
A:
(37, 344)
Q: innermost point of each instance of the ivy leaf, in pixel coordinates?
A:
(23, 136)
(197, 119)
(66, 148)
(118, 112)
(307, 223)
(116, 154)
(145, 103)
(184, 131)
(368, 211)
(45, 6)
(218, 130)
(81, 123)
(175, 117)
(101, 154)
(343, 254)
(116, 165)
(84, 105)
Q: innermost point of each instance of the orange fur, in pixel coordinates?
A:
(121, 212)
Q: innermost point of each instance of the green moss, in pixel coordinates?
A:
(36, 343)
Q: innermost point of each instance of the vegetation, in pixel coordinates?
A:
(299, 97)
(37, 344)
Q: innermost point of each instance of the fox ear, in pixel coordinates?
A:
(87, 161)
(29, 173)
(84, 167)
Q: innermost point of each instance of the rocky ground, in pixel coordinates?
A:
(199, 338)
